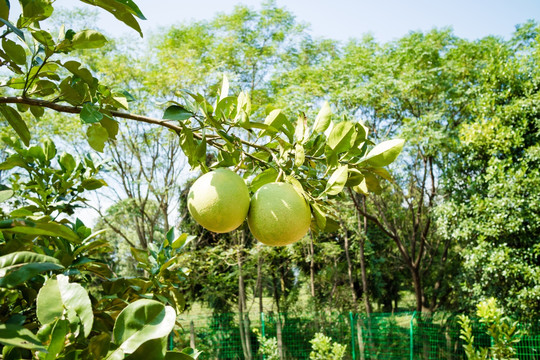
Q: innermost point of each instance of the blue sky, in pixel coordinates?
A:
(343, 19)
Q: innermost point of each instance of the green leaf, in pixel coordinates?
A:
(88, 39)
(300, 133)
(58, 339)
(19, 336)
(384, 153)
(267, 176)
(355, 177)
(337, 181)
(75, 68)
(49, 149)
(382, 172)
(59, 294)
(151, 350)
(123, 10)
(93, 184)
(5, 195)
(174, 355)
(43, 37)
(16, 122)
(18, 267)
(275, 121)
(36, 9)
(111, 126)
(372, 183)
(296, 185)
(341, 137)
(49, 302)
(140, 255)
(37, 111)
(176, 112)
(67, 162)
(90, 114)
(361, 188)
(299, 155)
(226, 107)
(224, 88)
(97, 136)
(44, 229)
(75, 297)
(139, 322)
(15, 51)
(320, 216)
(322, 121)
(4, 9)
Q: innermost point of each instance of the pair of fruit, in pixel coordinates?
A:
(277, 214)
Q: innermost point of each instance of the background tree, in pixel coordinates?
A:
(491, 205)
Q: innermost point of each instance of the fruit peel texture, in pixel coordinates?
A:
(219, 201)
(278, 215)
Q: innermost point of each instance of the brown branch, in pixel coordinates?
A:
(77, 110)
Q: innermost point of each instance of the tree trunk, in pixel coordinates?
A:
(363, 237)
(260, 283)
(279, 333)
(312, 265)
(350, 273)
(418, 292)
(244, 335)
(192, 335)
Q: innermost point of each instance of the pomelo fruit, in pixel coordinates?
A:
(219, 200)
(278, 214)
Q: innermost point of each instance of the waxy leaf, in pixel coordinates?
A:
(49, 302)
(18, 267)
(267, 176)
(384, 153)
(123, 10)
(224, 88)
(19, 336)
(322, 121)
(275, 121)
(90, 114)
(174, 355)
(97, 136)
(59, 294)
(341, 137)
(175, 112)
(5, 195)
(44, 229)
(16, 122)
(299, 155)
(88, 39)
(320, 216)
(337, 180)
(15, 51)
(139, 322)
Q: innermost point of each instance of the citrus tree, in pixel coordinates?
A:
(48, 275)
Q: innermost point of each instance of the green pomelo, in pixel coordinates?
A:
(219, 200)
(278, 215)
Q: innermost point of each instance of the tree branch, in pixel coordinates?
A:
(77, 110)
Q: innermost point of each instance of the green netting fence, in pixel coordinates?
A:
(403, 336)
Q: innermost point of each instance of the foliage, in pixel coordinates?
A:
(493, 179)
(324, 348)
(503, 332)
(52, 305)
(268, 347)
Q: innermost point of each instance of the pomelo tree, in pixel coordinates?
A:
(46, 259)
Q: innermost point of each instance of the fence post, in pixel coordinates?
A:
(262, 325)
(411, 333)
(352, 335)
